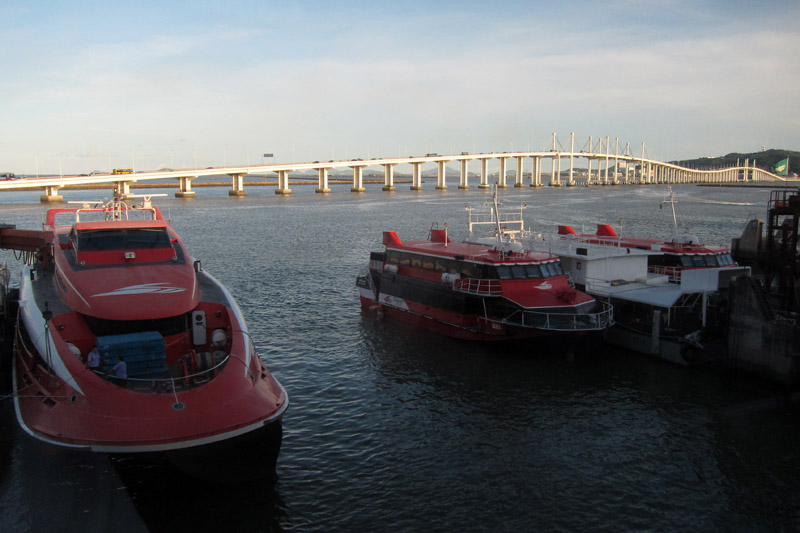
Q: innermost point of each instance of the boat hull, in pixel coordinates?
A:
(460, 326)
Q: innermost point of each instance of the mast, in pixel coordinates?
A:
(671, 200)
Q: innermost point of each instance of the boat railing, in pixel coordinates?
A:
(167, 384)
(672, 272)
(480, 287)
(563, 321)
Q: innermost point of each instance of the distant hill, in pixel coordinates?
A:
(764, 159)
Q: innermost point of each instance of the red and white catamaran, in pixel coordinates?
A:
(120, 278)
(477, 291)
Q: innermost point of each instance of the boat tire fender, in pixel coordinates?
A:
(690, 353)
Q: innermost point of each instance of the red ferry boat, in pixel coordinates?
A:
(477, 291)
(121, 279)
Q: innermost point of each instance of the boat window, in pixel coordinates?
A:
(534, 271)
(453, 267)
(726, 259)
(148, 238)
(393, 257)
(519, 272)
(122, 239)
(711, 260)
(441, 265)
(551, 269)
(467, 270)
(686, 260)
(427, 262)
(697, 260)
(504, 272)
(90, 241)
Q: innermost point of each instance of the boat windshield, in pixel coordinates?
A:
(123, 239)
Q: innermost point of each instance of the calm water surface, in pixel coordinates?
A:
(390, 428)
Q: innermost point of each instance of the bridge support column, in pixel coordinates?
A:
(358, 179)
(501, 174)
(484, 184)
(536, 171)
(51, 195)
(185, 187)
(463, 178)
(237, 186)
(283, 182)
(322, 183)
(555, 174)
(441, 176)
(571, 180)
(388, 177)
(589, 168)
(416, 176)
(518, 181)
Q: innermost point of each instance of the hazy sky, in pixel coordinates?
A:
(174, 84)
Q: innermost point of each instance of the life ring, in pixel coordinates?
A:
(690, 353)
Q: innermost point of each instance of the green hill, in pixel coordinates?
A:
(764, 159)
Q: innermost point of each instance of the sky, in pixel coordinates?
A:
(183, 84)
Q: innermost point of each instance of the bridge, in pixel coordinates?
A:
(627, 169)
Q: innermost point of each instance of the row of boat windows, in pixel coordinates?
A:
(686, 260)
(472, 270)
(122, 239)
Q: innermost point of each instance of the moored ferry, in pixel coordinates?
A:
(190, 383)
(669, 294)
(477, 291)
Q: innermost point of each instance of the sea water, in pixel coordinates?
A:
(391, 428)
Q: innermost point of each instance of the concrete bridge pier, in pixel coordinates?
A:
(518, 181)
(484, 184)
(51, 195)
(185, 189)
(555, 173)
(463, 179)
(441, 176)
(322, 183)
(358, 179)
(589, 167)
(536, 172)
(501, 174)
(283, 182)
(571, 180)
(416, 176)
(388, 177)
(237, 186)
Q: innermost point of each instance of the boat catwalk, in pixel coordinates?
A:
(178, 372)
(477, 291)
